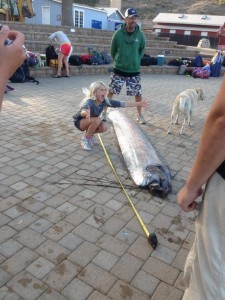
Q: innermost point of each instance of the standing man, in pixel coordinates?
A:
(64, 51)
(127, 48)
(204, 272)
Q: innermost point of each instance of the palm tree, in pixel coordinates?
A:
(67, 13)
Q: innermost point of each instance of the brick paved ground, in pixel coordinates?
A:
(66, 229)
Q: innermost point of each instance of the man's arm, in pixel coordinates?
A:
(210, 154)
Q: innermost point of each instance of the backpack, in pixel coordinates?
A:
(50, 54)
(145, 60)
(216, 69)
(53, 63)
(106, 58)
(85, 58)
(22, 74)
(75, 60)
(98, 57)
(92, 61)
(33, 62)
(198, 61)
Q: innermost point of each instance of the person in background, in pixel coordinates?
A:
(127, 48)
(204, 274)
(89, 117)
(11, 56)
(64, 51)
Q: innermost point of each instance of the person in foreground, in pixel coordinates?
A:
(11, 56)
(64, 51)
(204, 272)
(127, 48)
(89, 118)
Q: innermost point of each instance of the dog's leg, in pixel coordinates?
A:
(171, 122)
(189, 119)
(176, 120)
(182, 128)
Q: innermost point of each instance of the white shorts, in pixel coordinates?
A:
(204, 272)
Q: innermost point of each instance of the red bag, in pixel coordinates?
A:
(85, 58)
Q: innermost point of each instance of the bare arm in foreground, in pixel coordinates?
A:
(11, 56)
(210, 154)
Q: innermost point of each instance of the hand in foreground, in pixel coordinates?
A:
(186, 198)
(144, 103)
(13, 55)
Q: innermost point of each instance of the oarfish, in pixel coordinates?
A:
(145, 167)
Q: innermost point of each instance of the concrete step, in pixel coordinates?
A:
(100, 70)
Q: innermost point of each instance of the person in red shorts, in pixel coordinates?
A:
(64, 51)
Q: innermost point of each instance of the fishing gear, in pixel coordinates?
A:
(152, 238)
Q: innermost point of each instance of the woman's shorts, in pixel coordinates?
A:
(65, 49)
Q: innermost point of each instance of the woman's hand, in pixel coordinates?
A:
(11, 56)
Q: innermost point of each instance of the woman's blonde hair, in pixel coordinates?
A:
(90, 93)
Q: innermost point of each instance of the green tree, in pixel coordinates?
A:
(67, 13)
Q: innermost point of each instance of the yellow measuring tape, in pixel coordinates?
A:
(152, 238)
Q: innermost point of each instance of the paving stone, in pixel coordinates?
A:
(8, 294)
(40, 267)
(141, 248)
(23, 221)
(145, 282)
(62, 275)
(51, 214)
(77, 217)
(165, 291)
(113, 226)
(27, 286)
(97, 278)
(32, 205)
(112, 245)
(41, 225)
(53, 251)
(98, 296)
(127, 266)
(164, 254)
(122, 290)
(180, 259)
(160, 270)
(6, 232)
(19, 261)
(4, 277)
(71, 241)
(84, 254)
(127, 236)
(58, 231)
(88, 232)
(9, 247)
(105, 260)
(77, 290)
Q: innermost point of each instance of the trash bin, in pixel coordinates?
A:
(160, 60)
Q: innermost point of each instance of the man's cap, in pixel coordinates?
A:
(131, 12)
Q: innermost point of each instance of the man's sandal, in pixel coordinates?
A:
(57, 76)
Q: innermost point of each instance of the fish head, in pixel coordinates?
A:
(159, 180)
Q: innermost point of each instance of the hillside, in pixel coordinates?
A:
(149, 9)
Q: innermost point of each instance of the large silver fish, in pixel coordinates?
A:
(145, 167)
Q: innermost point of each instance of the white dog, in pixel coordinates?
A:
(184, 104)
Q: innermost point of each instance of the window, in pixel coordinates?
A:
(157, 30)
(172, 31)
(187, 32)
(79, 19)
(204, 33)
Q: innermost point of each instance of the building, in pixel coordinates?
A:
(49, 12)
(188, 29)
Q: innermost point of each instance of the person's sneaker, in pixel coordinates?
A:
(94, 140)
(86, 143)
(140, 119)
